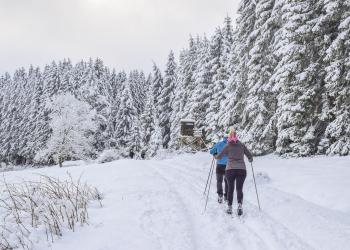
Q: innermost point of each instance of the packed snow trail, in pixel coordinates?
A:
(159, 204)
(220, 225)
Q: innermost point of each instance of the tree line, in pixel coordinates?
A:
(280, 76)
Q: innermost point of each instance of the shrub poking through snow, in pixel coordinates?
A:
(47, 207)
(109, 155)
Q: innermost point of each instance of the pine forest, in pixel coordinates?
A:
(280, 76)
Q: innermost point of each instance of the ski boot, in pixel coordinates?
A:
(239, 209)
(229, 210)
(220, 199)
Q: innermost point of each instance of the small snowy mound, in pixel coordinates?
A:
(262, 178)
(5, 167)
(109, 155)
(164, 154)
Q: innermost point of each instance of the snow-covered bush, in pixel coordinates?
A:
(163, 154)
(32, 210)
(109, 155)
(6, 167)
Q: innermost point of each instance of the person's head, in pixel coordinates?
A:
(232, 135)
(223, 136)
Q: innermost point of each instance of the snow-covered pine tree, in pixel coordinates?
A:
(7, 90)
(218, 80)
(93, 89)
(147, 121)
(72, 123)
(190, 64)
(51, 79)
(176, 113)
(157, 83)
(138, 88)
(76, 76)
(337, 88)
(156, 140)
(37, 127)
(166, 98)
(18, 117)
(184, 88)
(229, 61)
(297, 81)
(4, 79)
(125, 118)
(117, 80)
(200, 97)
(228, 38)
(226, 70)
(232, 107)
(178, 103)
(143, 86)
(226, 117)
(64, 72)
(259, 132)
(185, 85)
(136, 137)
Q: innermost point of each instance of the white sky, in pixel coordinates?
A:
(126, 34)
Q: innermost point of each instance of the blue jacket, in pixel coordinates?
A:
(218, 147)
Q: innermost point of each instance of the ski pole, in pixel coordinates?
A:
(256, 190)
(211, 166)
(211, 177)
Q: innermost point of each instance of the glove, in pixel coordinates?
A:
(251, 160)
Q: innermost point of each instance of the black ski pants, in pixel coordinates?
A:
(220, 176)
(235, 176)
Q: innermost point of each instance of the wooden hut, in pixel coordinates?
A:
(187, 127)
(190, 137)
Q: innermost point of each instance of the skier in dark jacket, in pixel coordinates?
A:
(235, 169)
(220, 169)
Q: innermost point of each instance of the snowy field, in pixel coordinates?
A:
(158, 204)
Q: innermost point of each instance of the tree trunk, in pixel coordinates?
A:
(60, 161)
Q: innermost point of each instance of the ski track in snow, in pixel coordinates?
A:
(159, 204)
(266, 232)
(161, 219)
(318, 228)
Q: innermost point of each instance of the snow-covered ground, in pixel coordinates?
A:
(159, 204)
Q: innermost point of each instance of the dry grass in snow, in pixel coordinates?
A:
(47, 207)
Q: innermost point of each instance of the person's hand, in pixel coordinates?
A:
(251, 160)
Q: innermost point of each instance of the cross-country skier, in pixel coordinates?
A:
(220, 168)
(235, 169)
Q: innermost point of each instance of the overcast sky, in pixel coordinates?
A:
(126, 34)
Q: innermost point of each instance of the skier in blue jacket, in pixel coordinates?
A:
(220, 169)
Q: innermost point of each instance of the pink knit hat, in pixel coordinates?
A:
(232, 137)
